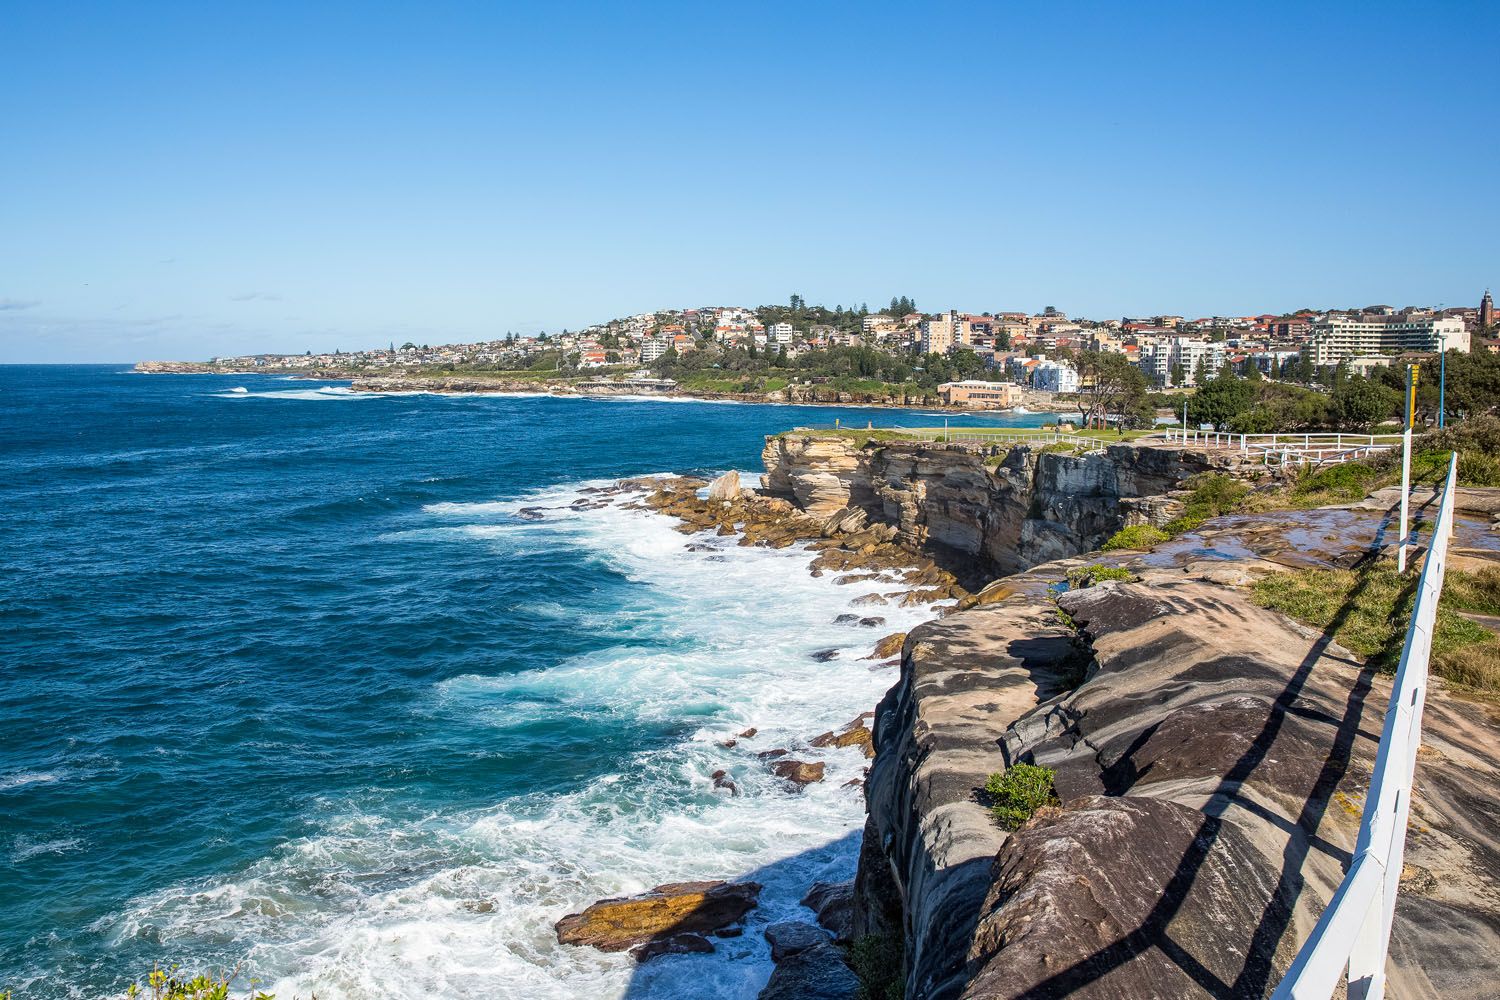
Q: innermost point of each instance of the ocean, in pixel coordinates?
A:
(291, 685)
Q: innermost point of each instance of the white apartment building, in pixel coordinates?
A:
(878, 323)
(1337, 338)
(1052, 376)
(653, 348)
(779, 333)
(1158, 359)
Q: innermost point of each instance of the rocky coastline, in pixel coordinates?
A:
(1209, 756)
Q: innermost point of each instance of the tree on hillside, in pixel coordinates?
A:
(1359, 403)
(1178, 378)
(1220, 400)
(1110, 386)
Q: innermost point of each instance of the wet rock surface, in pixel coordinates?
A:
(833, 902)
(818, 973)
(664, 920)
(799, 772)
(792, 936)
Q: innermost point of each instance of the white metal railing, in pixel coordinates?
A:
(1354, 932)
(999, 435)
(1289, 449)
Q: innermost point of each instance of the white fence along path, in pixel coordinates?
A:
(1353, 935)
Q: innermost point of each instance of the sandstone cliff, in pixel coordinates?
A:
(1210, 772)
(1210, 756)
(990, 514)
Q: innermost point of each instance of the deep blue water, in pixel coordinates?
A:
(286, 680)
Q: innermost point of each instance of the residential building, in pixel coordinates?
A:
(653, 348)
(938, 335)
(1052, 376)
(979, 395)
(779, 333)
(1338, 337)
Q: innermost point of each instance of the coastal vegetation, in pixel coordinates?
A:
(1016, 793)
(1136, 538)
(1366, 610)
(1082, 577)
(878, 961)
(168, 984)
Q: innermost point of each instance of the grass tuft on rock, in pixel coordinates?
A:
(1368, 611)
(1136, 538)
(1083, 577)
(1016, 793)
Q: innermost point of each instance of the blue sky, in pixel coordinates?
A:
(185, 180)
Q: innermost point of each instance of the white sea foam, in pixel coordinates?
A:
(463, 905)
(24, 848)
(20, 779)
(322, 392)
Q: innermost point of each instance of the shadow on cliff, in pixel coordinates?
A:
(1154, 932)
(785, 882)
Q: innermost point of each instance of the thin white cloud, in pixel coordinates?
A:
(255, 297)
(13, 304)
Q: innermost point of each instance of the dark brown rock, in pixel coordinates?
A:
(667, 911)
(798, 772)
(677, 944)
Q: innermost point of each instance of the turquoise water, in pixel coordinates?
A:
(289, 682)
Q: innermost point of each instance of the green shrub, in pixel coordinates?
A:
(167, 985)
(1136, 538)
(879, 961)
(1083, 577)
(1018, 792)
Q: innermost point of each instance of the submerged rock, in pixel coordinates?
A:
(661, 917)
(824, 655)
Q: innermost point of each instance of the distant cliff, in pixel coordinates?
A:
(992, 513)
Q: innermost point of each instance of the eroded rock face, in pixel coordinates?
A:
(665, 917)
(1080, 900)
(1210, 765)
(983, 519)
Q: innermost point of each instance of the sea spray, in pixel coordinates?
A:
(713, 638)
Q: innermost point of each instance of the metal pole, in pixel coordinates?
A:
(1442, 377)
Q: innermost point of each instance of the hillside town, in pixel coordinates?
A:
(1005, 352)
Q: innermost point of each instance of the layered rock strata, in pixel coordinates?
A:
(985, 510)
(1210, 770)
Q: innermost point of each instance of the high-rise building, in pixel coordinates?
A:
(1486, 311)
(1338, 337)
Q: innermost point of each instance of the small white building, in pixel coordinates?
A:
(1053, 376)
